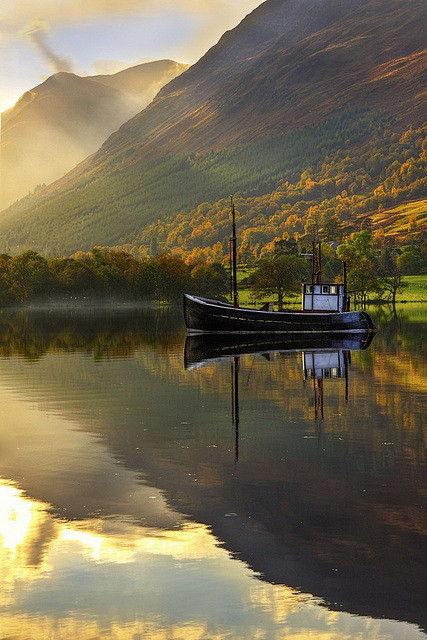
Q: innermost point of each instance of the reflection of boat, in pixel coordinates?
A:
(325, 307)
(204, 347)
(322, 357)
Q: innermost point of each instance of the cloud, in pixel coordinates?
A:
(37, 32)
(15, 14)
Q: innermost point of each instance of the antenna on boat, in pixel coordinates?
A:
(233, 255)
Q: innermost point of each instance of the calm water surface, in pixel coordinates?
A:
(152, 489)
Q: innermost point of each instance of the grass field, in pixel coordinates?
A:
(415, 290)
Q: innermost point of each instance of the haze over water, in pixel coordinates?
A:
(136, 502)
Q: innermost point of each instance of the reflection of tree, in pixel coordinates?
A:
(119, 334)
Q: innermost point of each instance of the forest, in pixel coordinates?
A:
(343, 167)
(340, 195)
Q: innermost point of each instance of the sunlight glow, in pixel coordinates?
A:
(16, 515)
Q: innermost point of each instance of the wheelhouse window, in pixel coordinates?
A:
(325, 288)
(308, 288)
(334, 289)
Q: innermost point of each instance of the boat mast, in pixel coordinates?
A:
(346, 305)
(233, 246)
(235, 416)
(317, 263)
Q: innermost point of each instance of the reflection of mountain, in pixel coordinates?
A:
(136, 583)
(57, 124)
(336, 513)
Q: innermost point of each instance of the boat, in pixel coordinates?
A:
(325, 307)
(204, 315)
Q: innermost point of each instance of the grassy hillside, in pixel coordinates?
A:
(279, 183)
(396, 220)
(86, 214)
(335, 196)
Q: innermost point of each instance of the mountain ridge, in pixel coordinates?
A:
(69, 116)
(239, 119)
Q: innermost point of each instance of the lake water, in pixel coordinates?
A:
(152, 489)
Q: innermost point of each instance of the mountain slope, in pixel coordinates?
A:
(60, 122)
(292, 84)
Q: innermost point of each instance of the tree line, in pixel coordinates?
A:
(374, 269)
(103, 273)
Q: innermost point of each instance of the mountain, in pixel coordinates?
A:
(296, 85)
(60, 122)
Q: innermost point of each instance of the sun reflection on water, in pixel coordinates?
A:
(38, 552)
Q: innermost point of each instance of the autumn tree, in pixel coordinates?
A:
(73, 276)
(313, 224)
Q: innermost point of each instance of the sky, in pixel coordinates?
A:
(41, 37)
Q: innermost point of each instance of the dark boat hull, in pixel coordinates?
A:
(209, 346)
(204, 315)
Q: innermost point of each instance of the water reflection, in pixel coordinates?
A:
(322, 355)
(125, 509)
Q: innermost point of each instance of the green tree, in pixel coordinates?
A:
(278, 275)
(332, 229)
(28, 276)
(5, 295)
(363, 279)
(285, 247)
(210, 280)
(410, 262)
(358, 252)
(358, 245)
(390, 274)
(172, 277)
